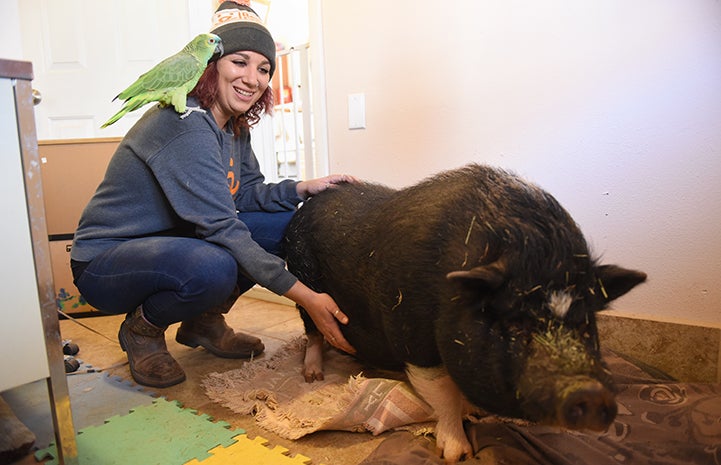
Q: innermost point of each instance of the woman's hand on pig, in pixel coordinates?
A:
(312, 187)
(325, 314)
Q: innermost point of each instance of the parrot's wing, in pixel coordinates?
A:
(173, 72)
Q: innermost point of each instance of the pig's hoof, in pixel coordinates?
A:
(455, 449)
(311, 375)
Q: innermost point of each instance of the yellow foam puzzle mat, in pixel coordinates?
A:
(252, 451)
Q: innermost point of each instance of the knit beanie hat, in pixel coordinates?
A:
(240, 28)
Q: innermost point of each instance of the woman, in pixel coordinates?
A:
(183, 222)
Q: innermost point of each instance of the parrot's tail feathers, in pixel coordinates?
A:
(114, 118)
(130, 105)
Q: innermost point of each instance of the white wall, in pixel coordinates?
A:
(613, 106)
(10, 42)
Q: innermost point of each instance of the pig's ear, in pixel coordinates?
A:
(492, 275)
(617, 281)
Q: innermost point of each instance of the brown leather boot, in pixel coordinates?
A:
(150, 362)
(212, 332)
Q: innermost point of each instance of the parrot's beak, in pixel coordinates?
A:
(219, 49)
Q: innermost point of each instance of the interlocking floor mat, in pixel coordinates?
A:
(252, 451)
(160, 433)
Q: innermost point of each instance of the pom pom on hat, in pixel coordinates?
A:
(240, 28)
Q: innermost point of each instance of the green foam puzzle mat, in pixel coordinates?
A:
(160, 433)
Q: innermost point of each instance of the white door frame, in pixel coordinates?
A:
(321, 163)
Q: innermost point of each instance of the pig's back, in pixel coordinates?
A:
(383, 254)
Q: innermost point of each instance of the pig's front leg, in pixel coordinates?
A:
(439, 390)
(313, 361)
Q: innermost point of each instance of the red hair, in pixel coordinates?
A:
(206, 91)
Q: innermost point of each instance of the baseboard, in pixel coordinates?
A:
(261, 293)
(688, 352)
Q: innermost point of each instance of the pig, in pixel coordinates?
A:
(475, 282)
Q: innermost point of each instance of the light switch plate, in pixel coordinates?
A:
(356, 111)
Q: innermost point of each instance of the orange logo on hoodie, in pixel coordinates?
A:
(233, 184)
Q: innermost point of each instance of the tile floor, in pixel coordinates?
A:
(276, 324)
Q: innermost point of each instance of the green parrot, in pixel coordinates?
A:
(170, 80)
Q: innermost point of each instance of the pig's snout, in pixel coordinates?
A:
(587, 405)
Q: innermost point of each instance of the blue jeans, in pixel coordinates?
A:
(174, 278)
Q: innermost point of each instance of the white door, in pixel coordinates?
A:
(84, 52)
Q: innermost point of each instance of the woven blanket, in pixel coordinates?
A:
(660, 421)
(275, 392)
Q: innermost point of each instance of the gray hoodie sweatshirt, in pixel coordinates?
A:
(185, 177)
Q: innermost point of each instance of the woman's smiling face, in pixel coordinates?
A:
(242, 78)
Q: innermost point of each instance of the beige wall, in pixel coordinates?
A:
(614, 107)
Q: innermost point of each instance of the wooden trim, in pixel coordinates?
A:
(261, 293)
(14, 69)
(59, 394)
(90, 140)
